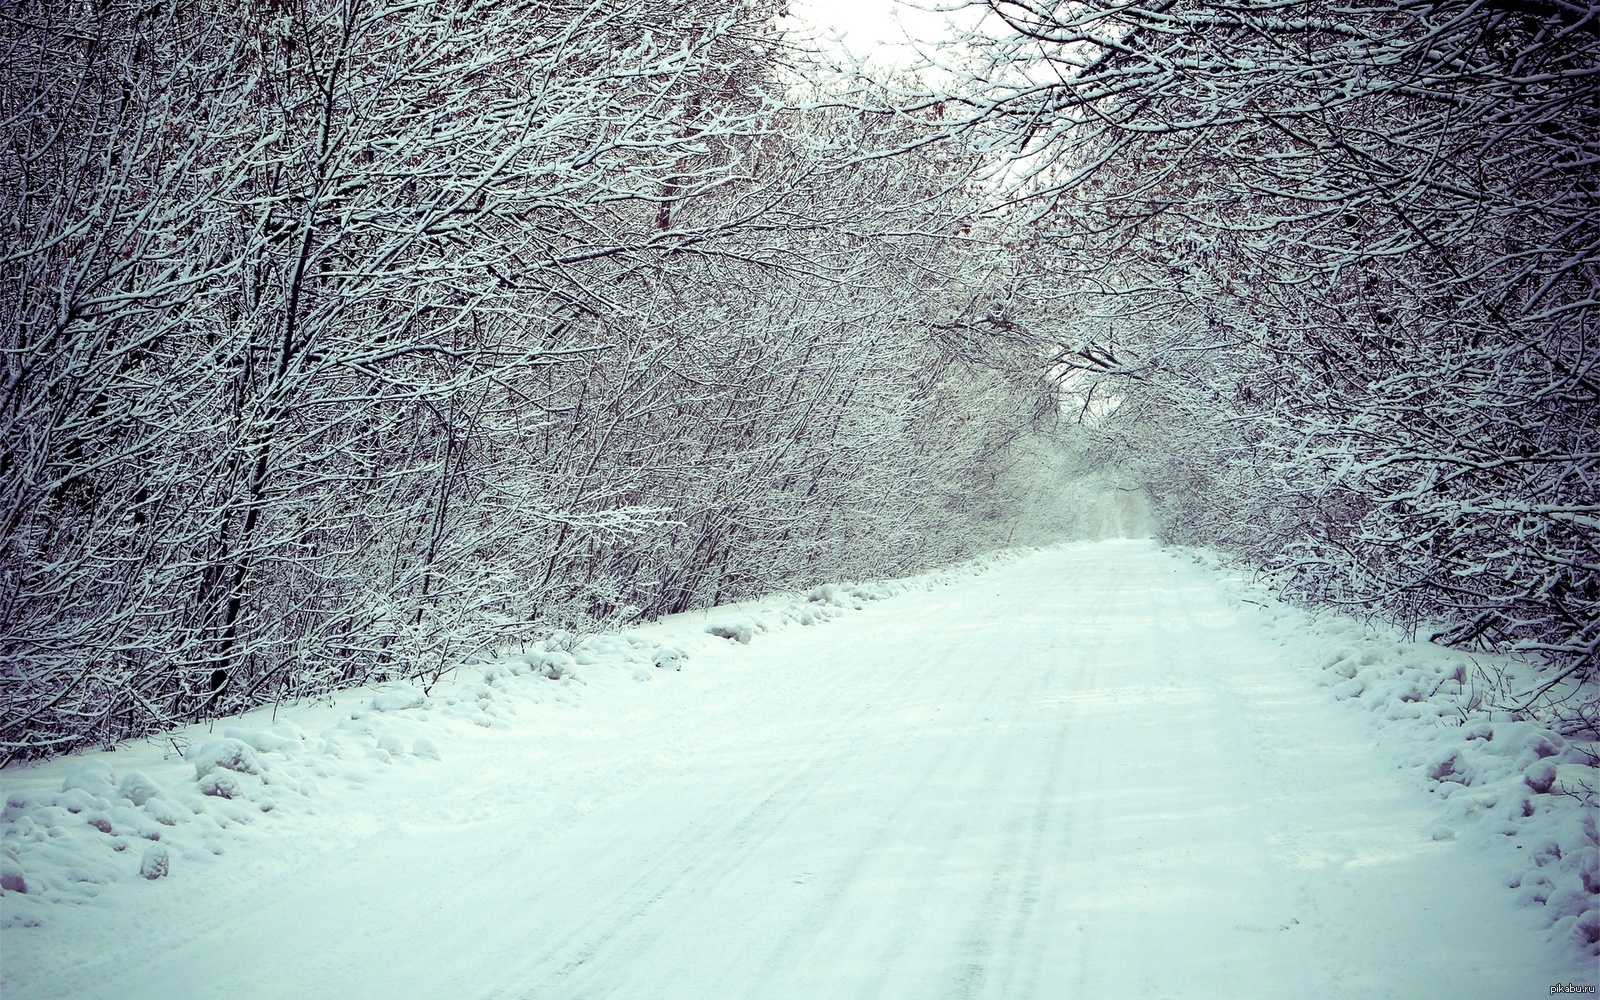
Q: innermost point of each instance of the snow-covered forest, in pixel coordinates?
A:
(456, 456)
(347, 338)
(1339, 267)
(350, 338)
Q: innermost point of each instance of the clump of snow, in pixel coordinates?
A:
(553, 664)
(222, 784)
(76, 800)
(738, 629)
(138, 788)
(95, 777)
(398, 698)
(1540, 776)
(227, 754)
(668, 658)
(155, 863)
(424, 748)
(12, 877)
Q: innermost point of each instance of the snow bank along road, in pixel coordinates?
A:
(1088, 773)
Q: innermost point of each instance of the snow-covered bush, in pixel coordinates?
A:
(352, 341)
(1305, 315)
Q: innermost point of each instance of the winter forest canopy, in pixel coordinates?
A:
(346, 338)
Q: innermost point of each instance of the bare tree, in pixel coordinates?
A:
(347, 337)
(1346, 259)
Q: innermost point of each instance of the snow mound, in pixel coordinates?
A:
(424, 748)
(554, 664)
(668, 658)
(138, 788)
(12, 877)
(155, 862)
(398, 698)
(228, 754)
(740, 630)
(96, 778)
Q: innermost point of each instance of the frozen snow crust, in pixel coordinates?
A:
(1500, 778)
(170, 806)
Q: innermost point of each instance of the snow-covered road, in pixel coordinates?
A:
(1084, 774)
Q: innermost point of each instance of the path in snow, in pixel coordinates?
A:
(1080, 775)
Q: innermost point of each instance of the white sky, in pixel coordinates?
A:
(875, 29)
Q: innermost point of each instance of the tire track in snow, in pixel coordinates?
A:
(1020, 881)
(1006, 683)
(709, 851)
(697, 855)
(1025, 685)
(715, 861)
(908, 801)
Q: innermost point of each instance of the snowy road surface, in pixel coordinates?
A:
(1085, 774)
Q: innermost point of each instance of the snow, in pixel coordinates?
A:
(1097, 770)
(738, 629)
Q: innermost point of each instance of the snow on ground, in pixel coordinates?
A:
(1499, 775)
(1100, 770)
